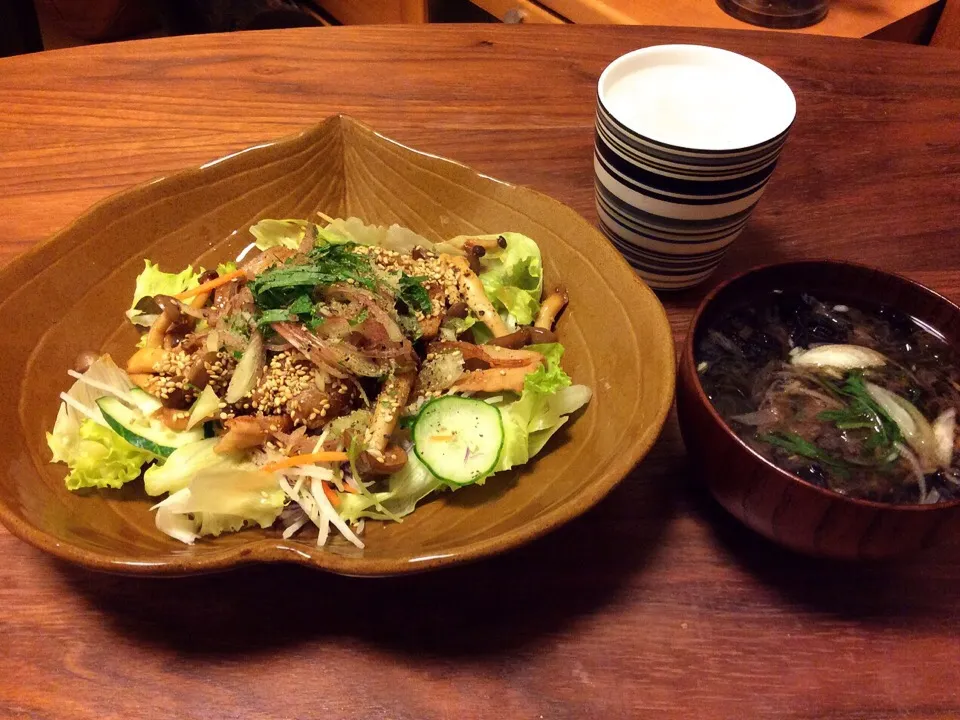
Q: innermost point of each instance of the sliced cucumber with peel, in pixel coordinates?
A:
(458, 439)
(141, 430)
(144, 401)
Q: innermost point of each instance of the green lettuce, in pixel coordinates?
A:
(283, 233)
(395, 237)
(153, 281)
(185, 462)
(98, 458)
(65, 438)
(549, 377)
(220, 500)
(512, 277)
(530, 421)
(545, 405)
(404, 490)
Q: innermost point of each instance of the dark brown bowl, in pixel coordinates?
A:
(772, 501)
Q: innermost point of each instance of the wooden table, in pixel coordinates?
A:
(656, 604)
(900, 20)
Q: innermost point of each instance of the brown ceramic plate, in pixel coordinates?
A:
(615, 331)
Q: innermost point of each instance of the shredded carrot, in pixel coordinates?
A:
(331, 495)
(310, 459)
(442, 438)
(210, 284)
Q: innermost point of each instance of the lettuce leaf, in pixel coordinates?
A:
(187, 461)
(547, 400)
(153, 281)
(395, 237)
(530, 421)
(512, 277)
(220, 500)
(284, 233)
(65, 437)
(404, 490)
(100, 458)
(549, 377)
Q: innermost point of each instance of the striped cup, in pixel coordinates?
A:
(686, 139)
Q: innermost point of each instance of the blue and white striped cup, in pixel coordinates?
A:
(686, 140)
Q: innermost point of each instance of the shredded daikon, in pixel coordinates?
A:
(83, 409)
(296, 525)
(318, 509)
(327, 509)
(323, 531)
(319, 445)
(103, 387)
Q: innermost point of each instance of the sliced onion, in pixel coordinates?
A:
(330, 356)
(913, 425)
(375, 306)
(247, 372)
(188, 309)
(914, 463)
(760, 417)
(171, 520)
(267, 259)
(944, 429)
(841, 357)
(440, 372)
(206, 406)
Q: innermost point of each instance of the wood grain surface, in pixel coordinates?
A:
(655, 604)
(846, 18)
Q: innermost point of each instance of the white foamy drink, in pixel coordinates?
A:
(700, 101)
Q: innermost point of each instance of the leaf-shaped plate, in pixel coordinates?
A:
(69, 293)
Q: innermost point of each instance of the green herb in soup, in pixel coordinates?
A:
(859, 401)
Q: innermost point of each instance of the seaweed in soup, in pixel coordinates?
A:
(860, 401)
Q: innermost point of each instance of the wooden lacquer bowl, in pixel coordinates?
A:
(772, 501)
(69, 294)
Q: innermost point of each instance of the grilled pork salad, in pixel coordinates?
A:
(337, 372)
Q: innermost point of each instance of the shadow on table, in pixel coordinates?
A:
(501, 603)
(905, 591)
(759, 244)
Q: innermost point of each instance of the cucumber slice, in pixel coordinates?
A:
(458, 439)
(142, 431)
(145, 402)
